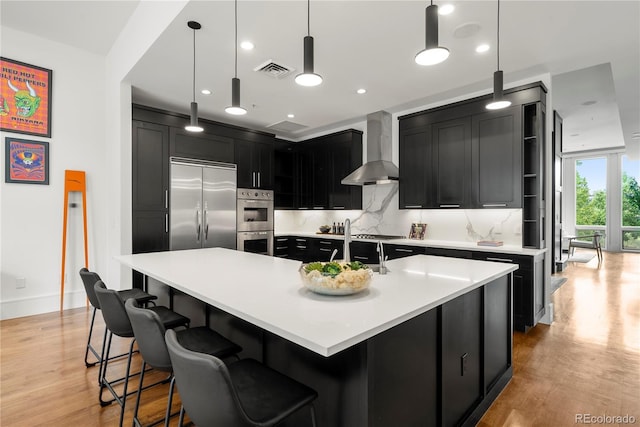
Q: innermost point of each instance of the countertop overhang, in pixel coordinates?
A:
(268, 292)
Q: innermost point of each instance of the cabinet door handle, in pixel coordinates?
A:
(258, 175)
(338, 207)
(166, 223)
(412, 206)
(494, 205)
(253, 179)
(318, 207)
(449, 206)
(404, 250)
(166, 199)
(500, 259)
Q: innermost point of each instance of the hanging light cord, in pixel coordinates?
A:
(194, 65)
(236, 23)
(498, 37)
(308, 18)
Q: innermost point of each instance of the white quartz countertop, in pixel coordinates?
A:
(268, 292)
(505, 249)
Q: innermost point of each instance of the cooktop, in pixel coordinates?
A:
(377, 236)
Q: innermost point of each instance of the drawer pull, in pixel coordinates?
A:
(449, 206)
(301, 240)
(404, 250)
(412, 206)
(318, 207)
(281, 247)
(494, 205)
(499, 259)
(360, 257)
(281, 240)
(301, 247)
(338, 207)
(325, 250)
(324, 242)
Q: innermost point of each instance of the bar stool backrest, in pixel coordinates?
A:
(205, 387)
(113, 311)
(89, 279)
(149, 332)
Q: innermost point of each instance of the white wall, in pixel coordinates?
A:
(31, 219)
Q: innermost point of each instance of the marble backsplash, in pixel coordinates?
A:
(380, 215)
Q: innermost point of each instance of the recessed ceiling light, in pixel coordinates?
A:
(361, 91)
(445, 9)
(291, 116)
(482, 48)
(247, 45)
(205, 92)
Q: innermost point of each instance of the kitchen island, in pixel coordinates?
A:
(427, 344)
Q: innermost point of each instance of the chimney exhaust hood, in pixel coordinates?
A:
(379, 169)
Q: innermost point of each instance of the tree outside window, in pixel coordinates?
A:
(630, 204)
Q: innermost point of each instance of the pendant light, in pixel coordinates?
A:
(308, 77)
(498, 99)
(432, 53)
(235, 107)
(193, 123)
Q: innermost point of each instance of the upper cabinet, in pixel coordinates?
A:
(497, 155)
(255, 164)
(313, 171)
(464, 156)
(202, 146)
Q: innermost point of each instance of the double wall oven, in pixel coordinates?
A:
(255, 221)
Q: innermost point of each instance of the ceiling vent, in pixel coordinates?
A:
(286, 126)
(270, 68)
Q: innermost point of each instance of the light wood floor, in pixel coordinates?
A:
(587, 362)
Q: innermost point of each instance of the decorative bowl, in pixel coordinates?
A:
(325, 228)
(336, 278)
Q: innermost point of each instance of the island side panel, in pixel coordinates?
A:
(340, 380)
(403, 374)
(498, 331)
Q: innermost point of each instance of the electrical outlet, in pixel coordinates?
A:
(21, 283)
(497, 228)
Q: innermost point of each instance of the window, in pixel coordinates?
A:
(630, 204)
(591, 197)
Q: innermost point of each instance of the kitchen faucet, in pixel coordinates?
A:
(347, 240)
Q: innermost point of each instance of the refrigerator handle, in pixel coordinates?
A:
(253, 179)
(197, 224)
(166, 223)
(166, 199)
(258, 179)
(206, 222)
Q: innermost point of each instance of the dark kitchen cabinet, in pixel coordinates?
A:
(415, 177)
(402, 251)
(364, 252)
(201, 146)
(451, 162)
(284, 175)
(528, 287)
(462, 383)
(255, 164)
(533, 207)
(325, 248)
(150, 189)
(497, 154)
(150, 167)
(320, 165)
(281, 246)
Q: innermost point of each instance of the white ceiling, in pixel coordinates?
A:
(591, 49)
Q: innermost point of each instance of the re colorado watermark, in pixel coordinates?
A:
(605, 419)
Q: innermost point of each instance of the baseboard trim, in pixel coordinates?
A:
(40, 304)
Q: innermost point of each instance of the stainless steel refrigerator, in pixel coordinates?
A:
(202, 204)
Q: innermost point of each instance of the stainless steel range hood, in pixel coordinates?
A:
(379, 168)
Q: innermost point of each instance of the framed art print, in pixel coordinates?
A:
(25, 98)
(26, 162)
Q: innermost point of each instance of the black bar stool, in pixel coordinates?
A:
(243, 393)
(117, 322)
(149, 332)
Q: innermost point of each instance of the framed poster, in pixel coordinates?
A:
(26, 162)
(417, 231)
(25, 98)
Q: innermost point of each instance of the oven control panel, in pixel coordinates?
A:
(255, 194)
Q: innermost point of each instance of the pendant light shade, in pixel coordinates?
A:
(432, 53)
(498, 101)
(235, 107)
(308, 77)
(193, 122)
